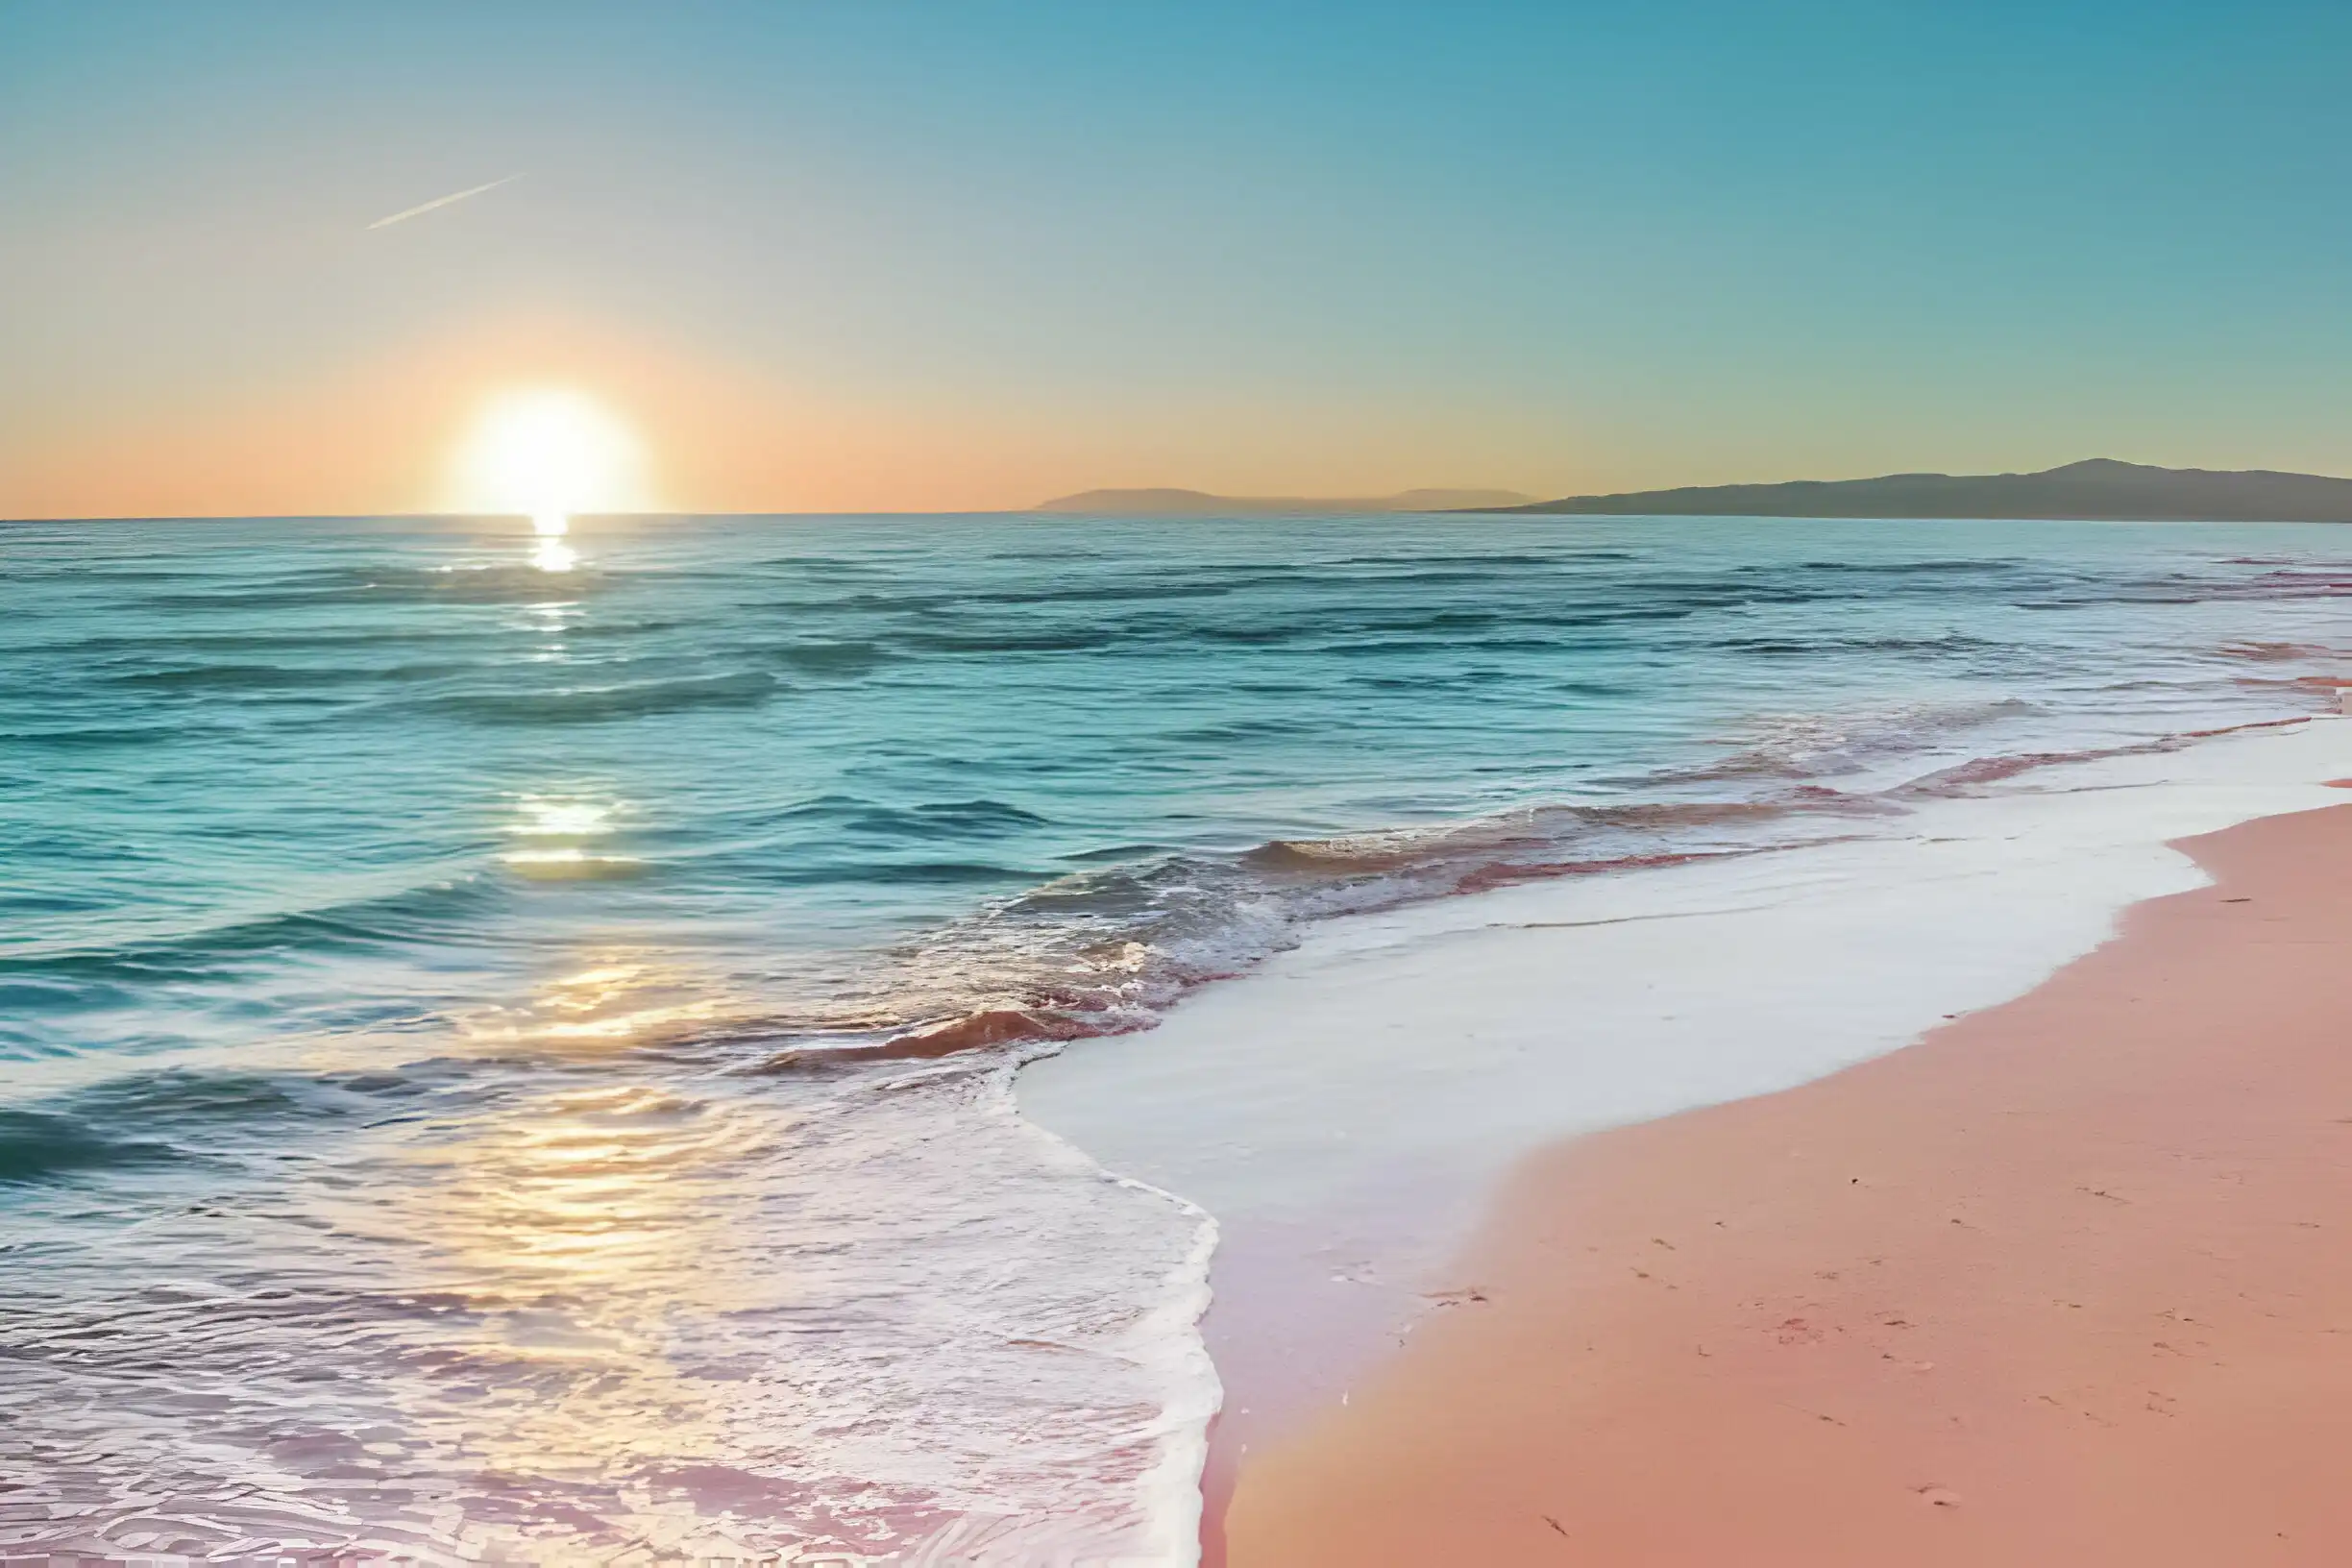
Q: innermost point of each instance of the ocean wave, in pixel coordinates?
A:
(1069, 639)
(40, 1146)
(224, 948)
(945, 819)
(2278, 653)
(346, 586)
(598, 704)
(185, 643)
(1834, 646)
(870, 871)
(100, 736)
(205, 1104)
(1106, 951)
(1511, 872)
(1537, 829)
(1112, 593)
(845, 660)
(2304, 584)
(215, 679)
(1484, 560)
(1809, 745)
(1992, 567)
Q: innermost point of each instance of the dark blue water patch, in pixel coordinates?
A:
(1073, 640)
(236, 679)
(107, 737)
(911, 602)
(844, 661)
(230, 679)
(1481, 560)
(43, 1146)
(36, 992)
(1465, 577)
(602, 704)
(1107, 594)
(427, 670)
(180, 1098)
(180, 1104)
(770, 871)
(1434, 681)
(1407, 639)
(350, 587)
(613, 628)
(1416, 629)
(1537, 647)
(187, 644)
(946, 819)
(1248, 636)
(438, 910)
(821, 566)
(1989, 567)
(1233, 731)
(1074, 554)
(1846, 646)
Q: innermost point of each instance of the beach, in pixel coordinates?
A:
(795, 786)
(764, 1038)
(2062, 1283)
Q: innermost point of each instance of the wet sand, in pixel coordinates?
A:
(2069, 1281)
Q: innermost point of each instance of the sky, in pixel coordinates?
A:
(836, 256)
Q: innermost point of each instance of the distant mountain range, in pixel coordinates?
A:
(1200, 504)
(2098, 489)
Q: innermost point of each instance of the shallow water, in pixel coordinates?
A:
(479, 1035)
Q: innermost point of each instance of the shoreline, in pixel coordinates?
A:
(2055, 1283)
(1348, 1109)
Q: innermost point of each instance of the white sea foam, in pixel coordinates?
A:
(1342, 1109)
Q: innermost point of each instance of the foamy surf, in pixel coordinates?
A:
(1344, 1110)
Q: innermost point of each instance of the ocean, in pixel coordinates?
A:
(511, 1044)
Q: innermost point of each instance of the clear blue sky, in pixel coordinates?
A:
(1273, 246)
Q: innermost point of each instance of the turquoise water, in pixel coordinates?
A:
(481, 1019)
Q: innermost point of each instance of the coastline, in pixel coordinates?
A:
(1430, 852)
(2056, 1284)
(1349, 1109)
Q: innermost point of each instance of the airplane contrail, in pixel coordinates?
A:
(443, 201)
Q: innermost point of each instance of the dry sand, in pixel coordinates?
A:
(2068, 1283)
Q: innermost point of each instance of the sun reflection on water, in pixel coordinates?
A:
(618, 998)
(558, 841)
(572, 1227)
(551, 553)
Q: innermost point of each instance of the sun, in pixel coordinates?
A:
(549, 453)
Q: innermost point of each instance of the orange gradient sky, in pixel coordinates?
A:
(971, 257)
(385, 435)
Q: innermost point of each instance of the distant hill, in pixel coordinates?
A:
(1200, 504)
(2098, 489)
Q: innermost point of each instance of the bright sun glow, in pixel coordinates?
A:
(549, 454)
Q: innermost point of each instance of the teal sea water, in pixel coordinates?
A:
(506, 1042)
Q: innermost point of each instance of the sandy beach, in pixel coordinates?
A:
(2064, 1283)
